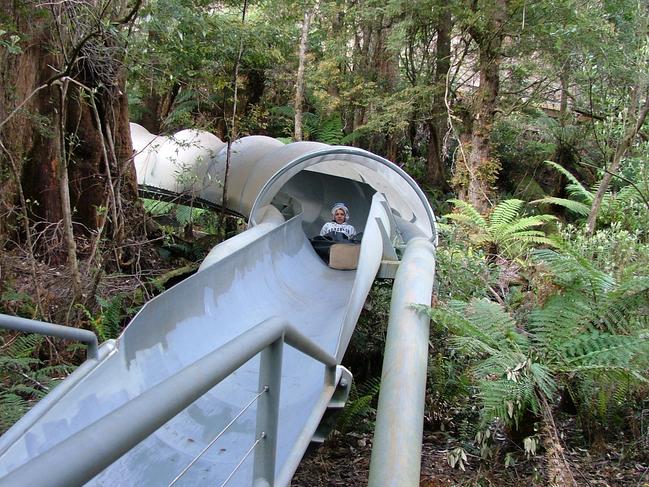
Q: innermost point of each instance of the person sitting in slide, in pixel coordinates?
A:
(340, 216)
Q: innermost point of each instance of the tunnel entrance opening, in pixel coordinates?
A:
(314, 194)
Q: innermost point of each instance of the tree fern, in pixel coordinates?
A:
(506, 212)
(505, 230)
(593, 330)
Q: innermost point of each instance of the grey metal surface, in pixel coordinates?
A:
(73, 463)
(35, 413)
(48, 329)
(396, 452)
(277, 274)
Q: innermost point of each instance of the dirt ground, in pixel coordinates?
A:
(344, 461)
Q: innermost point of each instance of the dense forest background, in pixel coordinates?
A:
(524, 123)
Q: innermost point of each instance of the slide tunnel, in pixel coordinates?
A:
(269, 272)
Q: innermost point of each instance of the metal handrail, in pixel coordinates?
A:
(396, 452)
(49, 329)
(72, 462)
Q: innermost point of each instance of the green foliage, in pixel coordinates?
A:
(615, 250)
(521, 142)
(107, 323)
(183, 53)
(626, 206)
(461, 271)
(282, 120)
(23, 376)
(359, 406)
(504, 230)
(328, 130)
(589, 337)
(178, 216)
(10, 42)
(364, 355)
(17, 303)
(581, 198)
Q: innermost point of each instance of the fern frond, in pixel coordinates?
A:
(359, 404)
(620, 311)
(371, 387)
(45, 374)
(543, 379)
(18, 363)
(572, 205)
(24, 345)
(491, 317)
(506, 399)
(531, 238)
(575, 187)
(461, 218)
(627, 195)
(354, 410)
(603, 349)
(569, 268)
(472, 346)
(505, 212)
(563, 317)
(521, 225)
(606, 370)
(330, 130)
(470, 214)
(12, 408)
(482, 328)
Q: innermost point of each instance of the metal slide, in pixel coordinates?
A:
(269, 272)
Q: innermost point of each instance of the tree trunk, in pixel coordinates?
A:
(299, 83)
(437, 126)
(36, 136)
(559, 473)
(477, 172)
(620, 150)
(232, 135)
(150, 119)
(385, 61)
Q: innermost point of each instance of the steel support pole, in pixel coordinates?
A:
(270, 378)
(42, 328)
(396, 452)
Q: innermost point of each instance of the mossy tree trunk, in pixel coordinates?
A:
(438, 123)
(477, 169)
(51, 129)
